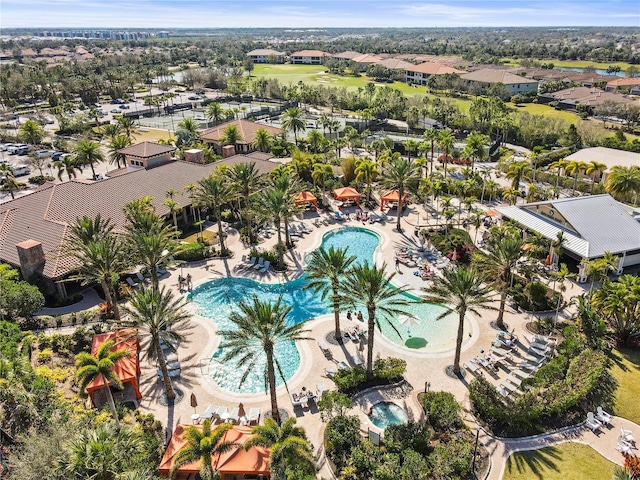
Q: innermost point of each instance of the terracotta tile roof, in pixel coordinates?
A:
(395, 64)
(310, 53)
(349, 54)
(588, 96)
(433, 68)
(264, 51)
(490, 75)
(367, 58)
(624, 82)
(44, 214)
(147, 149)
(247, 129)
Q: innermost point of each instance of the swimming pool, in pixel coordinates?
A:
(218, 298)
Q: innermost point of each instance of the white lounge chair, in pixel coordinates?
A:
(504, 392)
(259, 265)
(234, 416)
(242, 262)
(540, 353)
(322, 389)
(173, 366)
(592, 423)
(172, 373)
(170, 357)
(544, 339)
(132, 283)
(540, 346)
(221, 414)
(252, 263)
(627, 436)
(536, 360)
(471, 366)
(521, 374)
(265, 267)
(297, 401)
(254, 416)
(501, 351)
(324, 347)
(515, 380)
(624, 448)
(330, 371)
(210, 411)
(603, 416)
(342, 365)
(161, 271)
(356, 360)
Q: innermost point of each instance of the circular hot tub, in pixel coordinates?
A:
(384, 414)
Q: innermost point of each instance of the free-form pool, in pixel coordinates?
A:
(216, 299)
(384, 414)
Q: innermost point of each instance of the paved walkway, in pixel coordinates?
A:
(90, 299)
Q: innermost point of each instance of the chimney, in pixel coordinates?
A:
(228, 151)
(194, 155)
(31, 257)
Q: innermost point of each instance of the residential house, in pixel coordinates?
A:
(215, 136)
(308, 57)
(395, 64)
(514, 83)
(631, 84)
(266, 55)
(610, 157)
(346, 56)
(420, 73)
(570, 98)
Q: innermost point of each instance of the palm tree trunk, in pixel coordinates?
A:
(162, 363)
(112, 404)
(371, 324)
(220, 233)
(106, 288)
(336, 311)
(503, 301)
(92, 170)
(398, 226)
(271, 377)
(279, 246)
(287, 237)
(456, 359)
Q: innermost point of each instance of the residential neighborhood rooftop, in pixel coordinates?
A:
(608, 156)
(490, 75)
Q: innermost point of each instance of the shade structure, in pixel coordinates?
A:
(346, 193)
(127, 369)
(393, 196)
(236, 461)
(306, 197)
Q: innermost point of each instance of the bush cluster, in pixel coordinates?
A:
(385, 370)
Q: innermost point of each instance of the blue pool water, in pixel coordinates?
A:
(384, 414)
(218, 298)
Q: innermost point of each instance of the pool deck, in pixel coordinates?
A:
(202, 340)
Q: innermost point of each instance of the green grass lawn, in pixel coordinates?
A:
(626, 370)
(571, 63)
(546, 110)
(567, 461)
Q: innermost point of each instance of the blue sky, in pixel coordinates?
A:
(316, 13)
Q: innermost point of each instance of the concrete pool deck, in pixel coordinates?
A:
(202, 339)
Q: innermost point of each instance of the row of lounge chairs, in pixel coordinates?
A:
(171, 360)
(223, 415)
(261, 265)
(297, 230)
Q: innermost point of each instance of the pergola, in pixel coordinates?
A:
(392, 196)
(305, 198)
(346, 193)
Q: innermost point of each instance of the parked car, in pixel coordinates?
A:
(124, 107)
(5, 146)
(194, 97)
(20, 170)
(43, 153)
(57, 155)
(116, 110)
(117, 101)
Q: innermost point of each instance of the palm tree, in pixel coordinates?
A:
(273, 204)
(446, 141)
(260, 326)
(174, 208)
(201, 445)
(67, 165)
(231, 135)
(575, 167)
(460, 290)
(101, 366)
(400, 174)
(624, 182)
(31, 132)
(116, 144)
(410, 146)
(503, 253)
(8, 178)
(321, 174)
(366, 172)
(376, 147)
(215, 113)
(262, 140)
(558, 165)
(99, 254)
(371, 286)
(292, 120)
(474, 148)
(594, 169)
(561, 275)
(288, 446)
(127, 126)
(511, 194)
(289, 186)
(431, 136)
(325, 270)
(213, 193)
(158, 315)
(315, 139)
(516, 171)
(247, 180)
(88, 152)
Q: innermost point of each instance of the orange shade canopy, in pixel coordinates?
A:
(392, 196)
(346, 193)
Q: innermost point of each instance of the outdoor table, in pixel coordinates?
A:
(195, 418)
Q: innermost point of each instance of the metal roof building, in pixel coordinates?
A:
(591, 226)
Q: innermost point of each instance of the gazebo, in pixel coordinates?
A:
(306, 198)
(346, 194)
(393, 196)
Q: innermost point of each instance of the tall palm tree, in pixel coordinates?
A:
(503, 252)
(560, 276)
(516, 171)
(101, 366)
(460, 290)
(262, 140)
(474, 148)
(246, 180)
(511, 195)
(8, 178)
(410, 146)
(321, 174)
(400, 174)
(326, 269)
(260, 326)
(201, 445)
(158, 315)
(31, 132)
(231, 135)
(215, 113)
(292, 120)
(315, 139)
(127, 126)
(366, 172)
(67, 165)
(273, 205)
(288, 446)
(371, 286)
(99, 254)
(431, 136)
(558, 166)
(213, 193)
(594, 169)
(290, 187)
(88, 152)
(624, 182)
(446, 141)
(116, 144)
(575, 167)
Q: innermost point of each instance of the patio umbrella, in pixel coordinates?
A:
(194, 402)
(408, 321)
(241, 412)
(361, 346)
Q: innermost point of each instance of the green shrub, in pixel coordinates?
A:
(333, 404)
(342, 436)
(410, 436)
(451, 459)
(349, 379)
(45, 355)
(191, 252)
(391, 369)
(271, 255)
(443, 411)
(41, 179)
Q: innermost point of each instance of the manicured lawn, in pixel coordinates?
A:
(572, 63)
(626, 370)
(567, 461)
(547, 111)
(150, 135)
